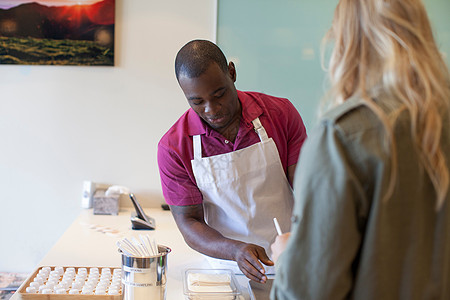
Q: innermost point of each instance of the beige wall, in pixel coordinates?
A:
(60, 125)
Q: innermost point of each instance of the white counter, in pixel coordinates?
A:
(87, 243)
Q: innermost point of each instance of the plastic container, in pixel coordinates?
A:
(212, 284)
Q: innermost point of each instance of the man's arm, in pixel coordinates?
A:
(295, 133)
(291, 173)
(202, 238)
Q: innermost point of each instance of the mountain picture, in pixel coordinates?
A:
(57, 32)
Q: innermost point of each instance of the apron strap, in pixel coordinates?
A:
(197, 146)
(260, 130)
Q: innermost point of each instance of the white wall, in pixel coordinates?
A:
(60, 125)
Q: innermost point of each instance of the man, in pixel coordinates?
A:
(225, 164)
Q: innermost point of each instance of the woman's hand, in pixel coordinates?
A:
(279, 245)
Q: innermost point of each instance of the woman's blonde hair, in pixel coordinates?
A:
(388, 46)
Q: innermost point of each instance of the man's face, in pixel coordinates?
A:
(213, 96)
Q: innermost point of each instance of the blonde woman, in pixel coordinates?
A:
(372, 212)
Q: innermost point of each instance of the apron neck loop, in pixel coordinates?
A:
(260, 130)
(197, 146)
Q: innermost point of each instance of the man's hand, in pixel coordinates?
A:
(279, 245)
(249, 258)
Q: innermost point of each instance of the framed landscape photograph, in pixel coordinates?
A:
(57, 32)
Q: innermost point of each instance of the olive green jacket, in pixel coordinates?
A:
(346, 243)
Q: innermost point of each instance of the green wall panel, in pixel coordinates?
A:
(276, 45)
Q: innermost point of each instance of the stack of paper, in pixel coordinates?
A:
(209, 283)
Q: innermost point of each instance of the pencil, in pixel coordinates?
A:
(277, 226)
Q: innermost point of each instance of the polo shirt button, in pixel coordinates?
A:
(227, 141)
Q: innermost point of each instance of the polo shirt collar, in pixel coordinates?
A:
(250, 111)
(196, 125)
(250, 108)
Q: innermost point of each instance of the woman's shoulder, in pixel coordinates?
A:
(350, 117)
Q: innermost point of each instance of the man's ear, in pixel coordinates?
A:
(232, 71)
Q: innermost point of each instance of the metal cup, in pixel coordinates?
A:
(144, 278)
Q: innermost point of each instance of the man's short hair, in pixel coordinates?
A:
(196, 56)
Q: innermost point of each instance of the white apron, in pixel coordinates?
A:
(243, 191)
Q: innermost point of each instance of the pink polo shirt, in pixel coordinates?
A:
(175, 149)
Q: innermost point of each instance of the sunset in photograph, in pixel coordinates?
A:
(6, 4)
(57, 32)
